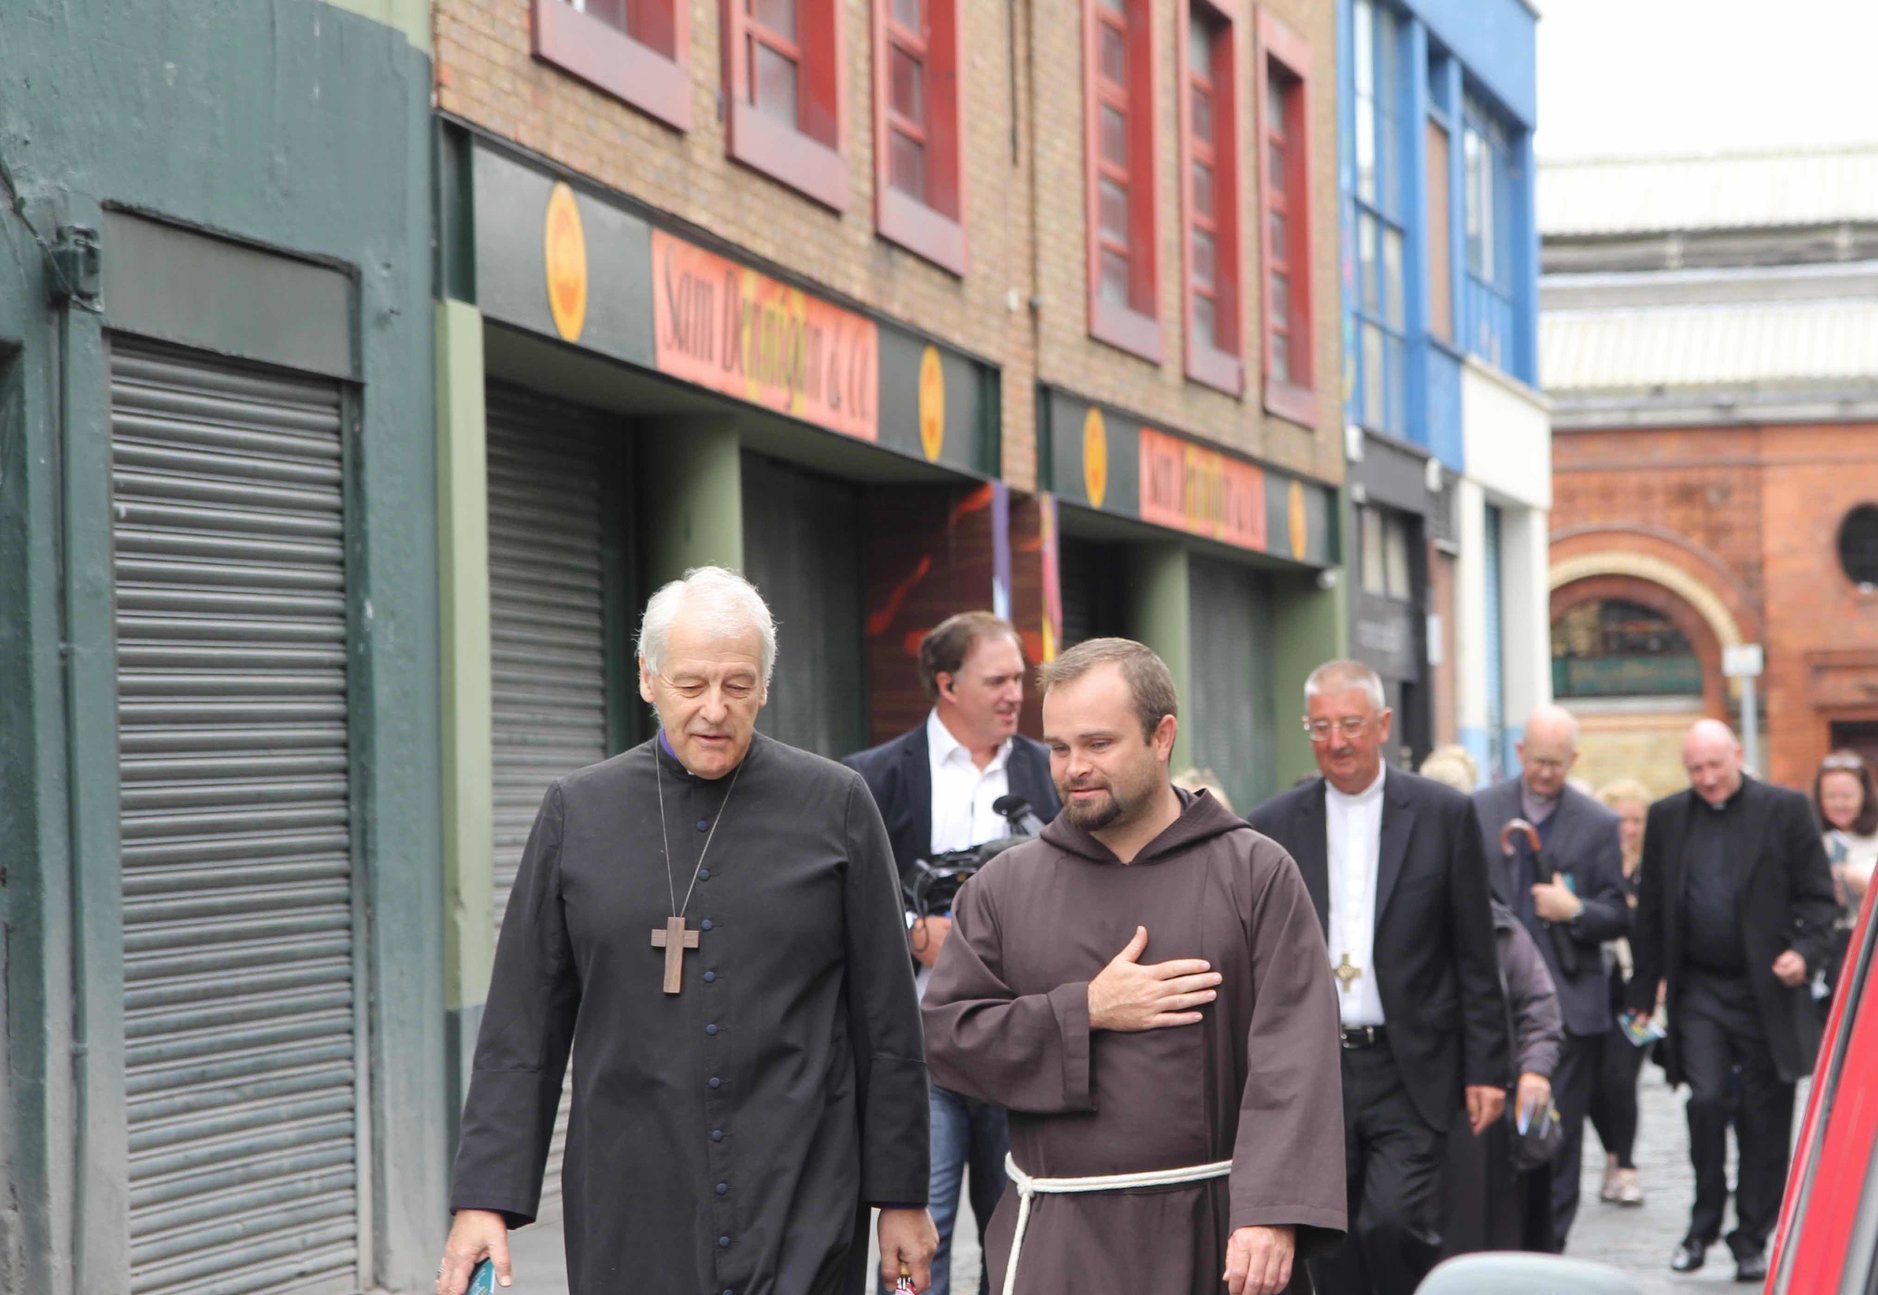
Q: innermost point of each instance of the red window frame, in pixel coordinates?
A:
(648, 65)
(933, 225)
(810, 153)
(1215, 363)
(1133, 326)
(1280, 50)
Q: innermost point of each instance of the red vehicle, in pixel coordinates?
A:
(1828, 1237)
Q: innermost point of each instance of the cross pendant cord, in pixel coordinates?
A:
(665, 838)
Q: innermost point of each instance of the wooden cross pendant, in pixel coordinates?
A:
(1346, 973)
(674, 937)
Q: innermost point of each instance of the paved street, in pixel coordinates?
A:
(1637, 1241)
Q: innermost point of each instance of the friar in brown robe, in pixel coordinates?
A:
(1210, 1037)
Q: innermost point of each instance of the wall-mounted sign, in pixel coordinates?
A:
(735, 330)
(1189, 487)
(932, 404)
(1104, 459)
(564, 242)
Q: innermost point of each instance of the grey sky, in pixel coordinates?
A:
(1629, 77)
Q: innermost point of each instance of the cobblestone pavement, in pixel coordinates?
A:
(1636, 1241)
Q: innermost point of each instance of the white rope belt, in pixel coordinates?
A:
(1027, 1187)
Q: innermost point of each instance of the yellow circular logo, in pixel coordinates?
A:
(932, 404)
(566, 250)
(1300, 522)
(1095, 457)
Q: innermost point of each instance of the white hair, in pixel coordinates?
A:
(725, 603)
(1345, 674)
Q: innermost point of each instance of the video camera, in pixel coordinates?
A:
(934, 882)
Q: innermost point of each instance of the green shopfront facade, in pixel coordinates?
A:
(218, 779)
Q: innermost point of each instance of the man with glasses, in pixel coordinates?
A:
(1394, 867)
(1570, 897)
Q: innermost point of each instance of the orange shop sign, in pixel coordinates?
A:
(727, 327)
(1190, 488)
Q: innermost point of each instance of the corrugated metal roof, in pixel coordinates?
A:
(1732, 191)
(1734, 346)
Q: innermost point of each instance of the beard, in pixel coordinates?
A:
(1116, 807)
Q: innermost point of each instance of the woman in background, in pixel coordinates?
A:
(1613, 1108)
(1847, 806)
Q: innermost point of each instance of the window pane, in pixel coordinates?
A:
(1281, 358)
(909, 86)
(1373, 413)
(1366, 151)
(777, 15)
(1114, 277)
(1395, 536)
(1205, 327)
(1389, 168)
(1202, 115)
(1114, 6)
(907, 165)
(1275, 162)
(1113, 56)
(1364, 51)
(611, 12)
(1375, 578)
(1281, 300)
(1367, 254)
(1277, 120)
(1203, 254)
(1114, 129)
(1114, 200)
(1388, 62)
(911, 15)
(1473, 197)
(1395, 391)
(1392, 277)
(1199, 45)
(1203, 190)
(1281, 237)
(775, 82)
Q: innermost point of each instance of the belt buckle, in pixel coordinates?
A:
(1357, 1036)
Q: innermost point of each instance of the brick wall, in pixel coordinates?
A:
(1753, 514)
(487, 75)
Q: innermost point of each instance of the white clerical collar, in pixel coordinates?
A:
(1362, 797)
(943, 744)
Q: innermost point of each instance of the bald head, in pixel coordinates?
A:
(1712, 756)
(1548, 751)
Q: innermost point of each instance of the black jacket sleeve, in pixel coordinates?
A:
(1647, 953)
(1601, 889)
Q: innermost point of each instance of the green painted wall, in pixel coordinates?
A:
(1160, 614)
(1313, 627)
(691, 497)
(295, 127)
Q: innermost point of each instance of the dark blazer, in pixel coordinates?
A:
(899, 773)
(1786, 903)
(1436, 965)
(1581, 840)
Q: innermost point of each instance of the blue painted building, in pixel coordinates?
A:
(1448, 438)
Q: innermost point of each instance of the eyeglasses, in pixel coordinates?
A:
(1349, 726)
(1550, 766)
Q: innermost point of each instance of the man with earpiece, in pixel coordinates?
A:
(949, 784)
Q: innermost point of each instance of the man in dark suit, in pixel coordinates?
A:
(1568, 918)
(1393, 864)
(937, 787)
(1734, 911)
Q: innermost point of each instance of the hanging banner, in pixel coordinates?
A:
(735, 330)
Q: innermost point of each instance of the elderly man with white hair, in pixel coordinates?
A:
(711, 923)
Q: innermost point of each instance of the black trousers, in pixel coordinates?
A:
(1731, 1075)
(1573, 1083)
(1613, 1110)
(1392, 1161)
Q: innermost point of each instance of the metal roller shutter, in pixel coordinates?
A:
(241, 1011)
(547, 629)
(1231, 710)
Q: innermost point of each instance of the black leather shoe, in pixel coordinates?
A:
(1689, 1256)
(1751, 1268)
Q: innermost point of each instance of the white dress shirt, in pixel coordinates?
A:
(962, 793)
(1353, 832)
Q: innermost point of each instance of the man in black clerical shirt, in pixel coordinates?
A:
(938, 786)
(1734, 912)
(711, 923)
